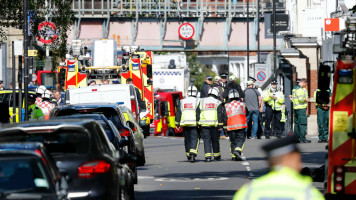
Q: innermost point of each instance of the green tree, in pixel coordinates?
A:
(58, 12)
(198, 72)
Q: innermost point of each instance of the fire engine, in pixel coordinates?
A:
(166, 104)
(139, 69)
(341, 160)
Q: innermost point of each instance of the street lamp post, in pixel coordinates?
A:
(25, 49)
(248, 39)
(274, 38)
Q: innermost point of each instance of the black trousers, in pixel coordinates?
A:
(237, 140)
(191, 140)
(273, 116)
(211, 138)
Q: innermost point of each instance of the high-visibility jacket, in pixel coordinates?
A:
(188, 107)
(209, 112)
(299, 95)
(276, 104)
(46, 108)
(280, 183)
(236, 115)
(35, 113)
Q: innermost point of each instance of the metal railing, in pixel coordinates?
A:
(169, 8)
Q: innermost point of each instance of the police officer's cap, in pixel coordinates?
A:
(274, 82)
(223, 75)
(251, 79)
(281, 147)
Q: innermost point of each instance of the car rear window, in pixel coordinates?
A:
(70, 142)
(109, 113)
(23, 174)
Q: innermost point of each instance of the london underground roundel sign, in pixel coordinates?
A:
(186, 31)
(47, 32)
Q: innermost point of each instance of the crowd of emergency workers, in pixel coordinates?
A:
(224, 109)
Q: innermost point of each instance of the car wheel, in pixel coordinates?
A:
(131, 188)
(141, 160)
(135, 179)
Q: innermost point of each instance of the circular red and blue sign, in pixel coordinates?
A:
(47, 32)
(261, 76)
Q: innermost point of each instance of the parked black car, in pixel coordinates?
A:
(82, 153)
(111, 112)
(27, 171)
(110, 129)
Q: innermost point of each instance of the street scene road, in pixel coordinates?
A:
(168, 175)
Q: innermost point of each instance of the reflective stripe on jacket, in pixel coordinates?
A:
(188, 108)
(276, 104)
(299, 95)
(236, 115)
(209, 111)
(283, 183)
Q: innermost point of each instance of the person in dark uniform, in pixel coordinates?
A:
(206, 86)
(232, 85)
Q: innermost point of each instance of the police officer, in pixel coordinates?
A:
(210, 116)
(46, 105)
(186, 117)
(322, 105)
(236, 124)
(273, 99)
(300, 103)
(206, 86)
(39, 92)
(284, 180)
(34, 112)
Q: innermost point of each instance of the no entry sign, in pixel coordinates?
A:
(186, 31)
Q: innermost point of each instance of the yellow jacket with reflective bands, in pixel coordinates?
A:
(188, 108)
(276, 104)
(209, 112)
(299, 95)
(280, 183)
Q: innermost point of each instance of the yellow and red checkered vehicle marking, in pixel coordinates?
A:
(341, 153)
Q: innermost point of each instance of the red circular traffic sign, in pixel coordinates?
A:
(47, 29)
(186, 31)
(261, 75)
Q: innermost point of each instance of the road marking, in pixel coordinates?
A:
(248, 168)
(245, 163)
(145, 177)
(184, 180)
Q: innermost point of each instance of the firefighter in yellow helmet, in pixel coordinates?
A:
(284, 180)
(236, 124)
(210, 116)
(186, 117)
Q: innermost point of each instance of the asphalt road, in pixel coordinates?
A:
(168, 175)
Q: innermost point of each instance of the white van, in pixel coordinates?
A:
(120, 94)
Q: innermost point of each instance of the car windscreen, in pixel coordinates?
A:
(23, 174)
(66, 142)
(108, 112)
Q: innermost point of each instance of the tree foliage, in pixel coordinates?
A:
(198, 72)
(57, 11)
